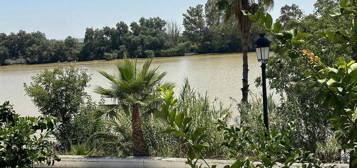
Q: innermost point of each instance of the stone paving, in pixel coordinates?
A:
(72, 161)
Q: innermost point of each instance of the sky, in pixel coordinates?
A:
(61, 18)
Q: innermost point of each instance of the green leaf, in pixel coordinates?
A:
(334, 70)
(277, 27)
(352, 68)
(321, 81)
(300, 36)
(237, 164)
(354, 116)
(336, 12)
(268, 21)
(172, 116)
(179, 120)
(343, 3)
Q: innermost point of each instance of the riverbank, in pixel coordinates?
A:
(114, 61)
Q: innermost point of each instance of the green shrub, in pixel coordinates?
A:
(79, 150)
(87, 122)
(149, 53)
(114, 136)
(24, 140)
(59, 93)
(329, 150)
(172, 52)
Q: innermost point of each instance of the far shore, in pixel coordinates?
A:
(114, 61)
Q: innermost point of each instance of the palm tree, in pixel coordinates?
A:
(133, 89)
(235, 8)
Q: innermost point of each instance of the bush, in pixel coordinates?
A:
(172, 52)
(87, 122)
(59, 93)
(192, 120)
(149, 53)
(24, 140)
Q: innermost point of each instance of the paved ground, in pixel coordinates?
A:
(70, 161)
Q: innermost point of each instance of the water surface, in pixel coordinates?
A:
(219, 75)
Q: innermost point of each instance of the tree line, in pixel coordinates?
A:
(204, 32)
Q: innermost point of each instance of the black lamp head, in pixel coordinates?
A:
(262, 41)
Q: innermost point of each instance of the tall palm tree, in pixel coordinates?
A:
(133, 89)
(235, 8)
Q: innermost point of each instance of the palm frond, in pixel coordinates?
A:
(105, 92)
(115, 81)
(146, 67)
(133, 86)
(232, 8)
(127, 70)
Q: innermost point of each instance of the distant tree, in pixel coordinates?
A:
(96, 43)
(133, 90)
(4, 54)
(213, 15)
(57, 51)
(147, 34)
(71, 49)
(290, 16)
(325, 7)
(194, 25)
(173, 32)
(59, 93)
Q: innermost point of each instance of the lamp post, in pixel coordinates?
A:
(262, 49)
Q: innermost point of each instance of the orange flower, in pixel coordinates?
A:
(311, 56)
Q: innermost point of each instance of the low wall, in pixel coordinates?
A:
(72, 161)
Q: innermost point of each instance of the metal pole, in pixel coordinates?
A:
(265, 98)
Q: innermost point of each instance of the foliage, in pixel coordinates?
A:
(249, 141)
(340, 96)
(290, 16)
(24, 140)
(242, 141)
(273, 148)
(134, 90)
(204, 113)
(329, 150)
(194, 138)
(79, 150)
(86, 123)
(32, 48)
(114, 139)
(299, 56)
(59, 93)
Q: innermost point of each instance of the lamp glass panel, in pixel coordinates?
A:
(259, 53)
(264, 53)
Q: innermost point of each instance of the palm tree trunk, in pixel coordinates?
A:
(245, 88)
(353, 158)
(139, 146)
(244, 30)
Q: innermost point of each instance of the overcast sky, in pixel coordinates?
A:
(61, 18)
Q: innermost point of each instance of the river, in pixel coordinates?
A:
(218, 75)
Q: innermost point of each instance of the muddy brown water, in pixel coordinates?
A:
(218, 75)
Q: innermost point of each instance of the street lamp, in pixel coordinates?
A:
(262, 48)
